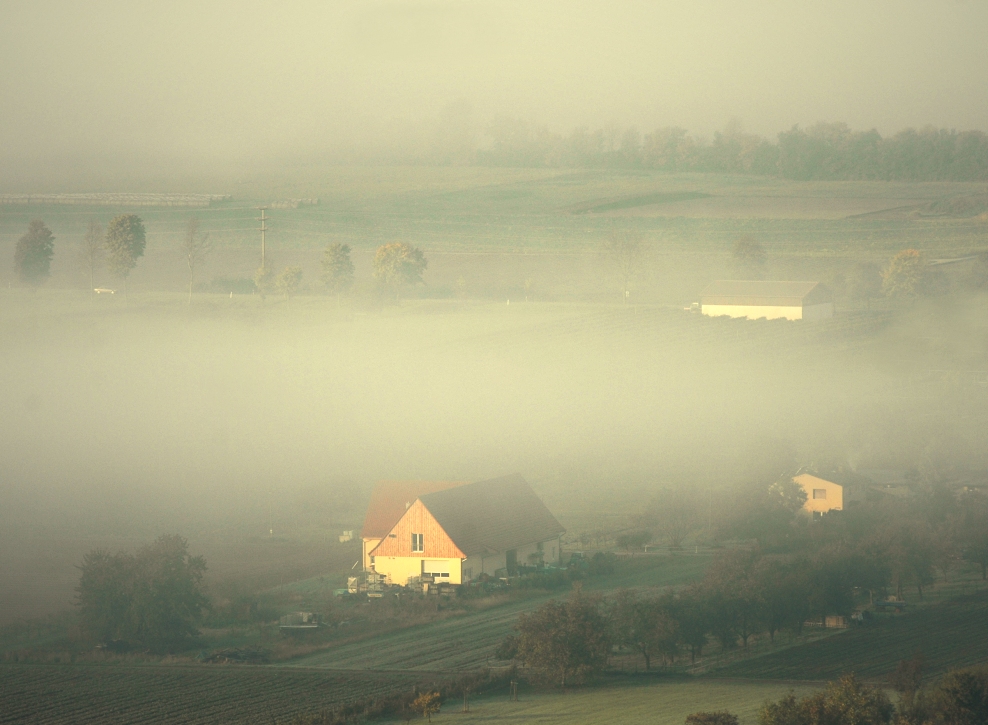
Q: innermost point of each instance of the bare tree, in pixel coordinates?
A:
(626, 252)
(196, 246)
(92, 252)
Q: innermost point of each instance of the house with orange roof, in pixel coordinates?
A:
(454, 532)
(388, 503)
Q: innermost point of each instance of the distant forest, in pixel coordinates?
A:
(823, 151)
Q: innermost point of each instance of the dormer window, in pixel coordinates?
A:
(418, 545)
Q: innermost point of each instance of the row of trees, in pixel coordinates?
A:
(744, 593)
(822, 151)
(958, 698)
(122, 245)
(395, 265)
(398, 265)
(908, 542)
(792, 570)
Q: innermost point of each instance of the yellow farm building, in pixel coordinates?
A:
(772, 300)
(821, 495)
(454, 532)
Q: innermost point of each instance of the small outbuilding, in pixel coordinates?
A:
(769, 299)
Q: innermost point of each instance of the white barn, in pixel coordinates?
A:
(769, 299)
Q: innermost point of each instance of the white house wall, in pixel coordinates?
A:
(476, 565)
(822, 311)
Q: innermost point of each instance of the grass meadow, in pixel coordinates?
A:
(488, 232)
(663, 701)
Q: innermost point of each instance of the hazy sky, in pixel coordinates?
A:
(236, 80)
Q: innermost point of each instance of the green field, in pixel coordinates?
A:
(467, 641)
(662, 701)
(951, 634)
(497, 228)
(65, 694)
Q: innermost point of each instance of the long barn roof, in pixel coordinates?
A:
(492, 516)
(764, 292)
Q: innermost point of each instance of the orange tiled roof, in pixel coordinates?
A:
(390, 499)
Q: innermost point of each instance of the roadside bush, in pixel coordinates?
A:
(544, 579)
(845, 702)
(712, 718)
(226, 285)
(961, 698)
(602, 564)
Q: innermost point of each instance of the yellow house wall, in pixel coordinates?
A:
(399, 569)
(754, 312)
(369, 546)
(835, 494)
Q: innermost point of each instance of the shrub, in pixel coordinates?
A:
(712, 718)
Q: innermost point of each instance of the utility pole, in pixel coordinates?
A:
(262, 219)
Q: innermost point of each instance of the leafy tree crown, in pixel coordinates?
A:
(125, 242)
(399, 264)
(34, 252)
(337, 268)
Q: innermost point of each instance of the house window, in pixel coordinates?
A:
(417, 544)
(819, 493)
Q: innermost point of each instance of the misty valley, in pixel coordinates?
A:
(236, 440)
